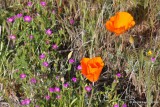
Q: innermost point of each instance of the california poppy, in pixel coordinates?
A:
(120, 23)
(91, 68)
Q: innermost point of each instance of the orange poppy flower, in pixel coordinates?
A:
(91, 68)
(120, 23)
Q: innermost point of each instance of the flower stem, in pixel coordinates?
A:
(90, 98)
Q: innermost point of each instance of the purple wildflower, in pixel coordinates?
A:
(124, 105)
(53, 12)
(27, 18)
(51, 90)
(79, 67)
(33, 81)
(43, 3)
(116, 105)
(10, 19)
(25, 102)
(19, 15)
(29, 4)
(88, 88)
(118, 75)
(12, 37)
(71, 61)
(47, 97)
(56, 89)
(66, 85)
(22, 76)
(58, 97)
(31, 36)
(45, 64)
(71, 21)
(153, 59)
(54, 46)
(42, 56)
(49, 32)
(74, 79)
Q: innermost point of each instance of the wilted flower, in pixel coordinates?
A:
(79, 67)
(27, 18)
(33, 81)
(22, 76)
(71, 21)
(71, 61)
(47, 97)
(116, 105)
(12, 37)
(49, 32)
(42, 56)
(66, 85)
(74, 79)
(118, 75)
(91, 68)
(88, 88)
(45, 64)
(43, 3)
(54, 46)
(120, 23)
(10, 19)
(124, 105)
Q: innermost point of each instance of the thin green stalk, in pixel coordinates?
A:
(90, 100)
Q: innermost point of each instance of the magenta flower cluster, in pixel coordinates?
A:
(22, 76)
(42, 56)
(46, 64)
(29, 4)
(25, 102)
(88, 88)
(47, 97)
(79, 67)
(74, 79)
(12, 37)
(71, 61)
(48, 32)
(66, 85)
(43, 3)
(33, 81)
(54, 46)
(27, 18)
(55, 89)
